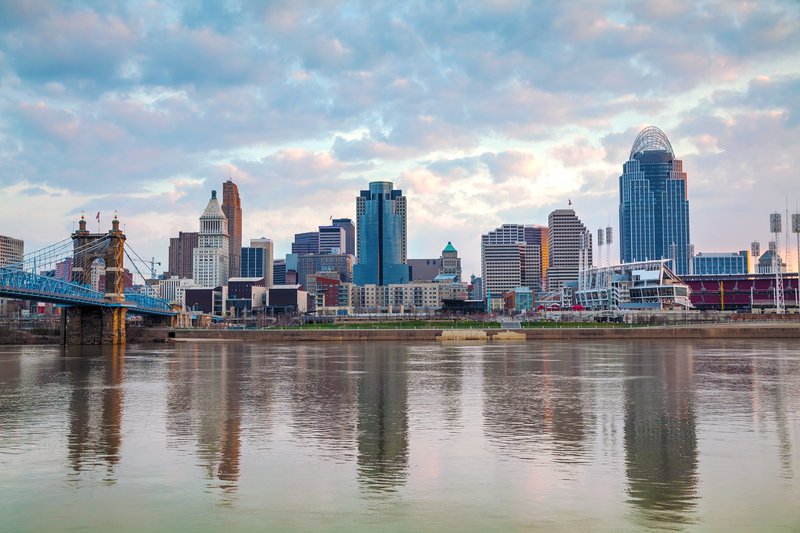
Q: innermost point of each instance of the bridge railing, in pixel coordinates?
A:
(13, 280)
(143, 301)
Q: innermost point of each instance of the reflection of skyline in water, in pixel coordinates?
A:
(529, 422)
(660, 433)
(383, 418)
(95, 408)
(204, 403)
(534, 403)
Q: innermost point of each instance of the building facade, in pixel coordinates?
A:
(536, 234)
(210, 260)
(11, 251)
(279, 272)
(259, 261)
(654, 203)
(424, 269)
(713, 264)
(508, 261)
(313, 263)
(349, 228)
(181, 253)
(306, 243)
(332, 240)
(568, 241)
(451, 263)
(381, 235)
(232, 207)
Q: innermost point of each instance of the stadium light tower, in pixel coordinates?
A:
(796, 231)
(775, 227)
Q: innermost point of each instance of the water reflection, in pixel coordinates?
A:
(204, 403)
(534, 403)
(383, 418)
(95, 408)
(323, 396)
(660, 433)
(474, 436)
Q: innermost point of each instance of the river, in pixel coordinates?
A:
(555, 436)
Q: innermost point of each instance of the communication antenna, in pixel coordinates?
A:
(775, 227)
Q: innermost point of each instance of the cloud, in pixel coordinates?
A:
(480, 110)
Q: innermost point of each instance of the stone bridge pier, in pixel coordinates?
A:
(93, 325)
(100, 324)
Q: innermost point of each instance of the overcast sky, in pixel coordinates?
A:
(482, 113)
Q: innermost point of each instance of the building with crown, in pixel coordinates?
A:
(211, 261)
(451, 263)
(654, 204)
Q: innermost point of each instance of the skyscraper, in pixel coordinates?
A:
(211, 261)
(535, 234)
(232, 207)
(381, 232)
(350, 234)
(181, 250)
(565, 235)
(451, 263)
(654, 204)
(508, 261)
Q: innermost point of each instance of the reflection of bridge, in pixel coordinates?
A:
(62, 274)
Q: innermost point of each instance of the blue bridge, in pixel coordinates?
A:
(62, 273)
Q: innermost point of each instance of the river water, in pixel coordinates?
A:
(600, 436)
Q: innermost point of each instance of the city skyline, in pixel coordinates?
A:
(478, 120)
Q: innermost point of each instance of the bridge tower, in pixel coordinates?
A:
(102, 324)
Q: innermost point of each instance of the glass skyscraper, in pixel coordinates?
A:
(381, 236)
(654, 204)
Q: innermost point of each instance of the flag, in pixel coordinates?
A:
(98, 216)
(569, 202)
(331, 218)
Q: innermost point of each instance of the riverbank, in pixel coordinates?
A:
(707, 331)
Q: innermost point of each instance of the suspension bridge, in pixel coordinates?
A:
(62, 274)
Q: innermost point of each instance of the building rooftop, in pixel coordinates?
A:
(449, 248)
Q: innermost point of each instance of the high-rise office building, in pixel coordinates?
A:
(451, 263)
(381, 235)
(232, 207)
(257, 260)
(536, 234)
(349, 228)
(211, 261)
(181, 251)
(306, 243)
(654, 203)
(508, 261)
(279, 272)
(565, 235)
(11, 251)
(332, 240)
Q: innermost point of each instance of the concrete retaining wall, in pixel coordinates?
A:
(738, 331)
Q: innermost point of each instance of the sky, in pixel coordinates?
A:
(483, 113)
